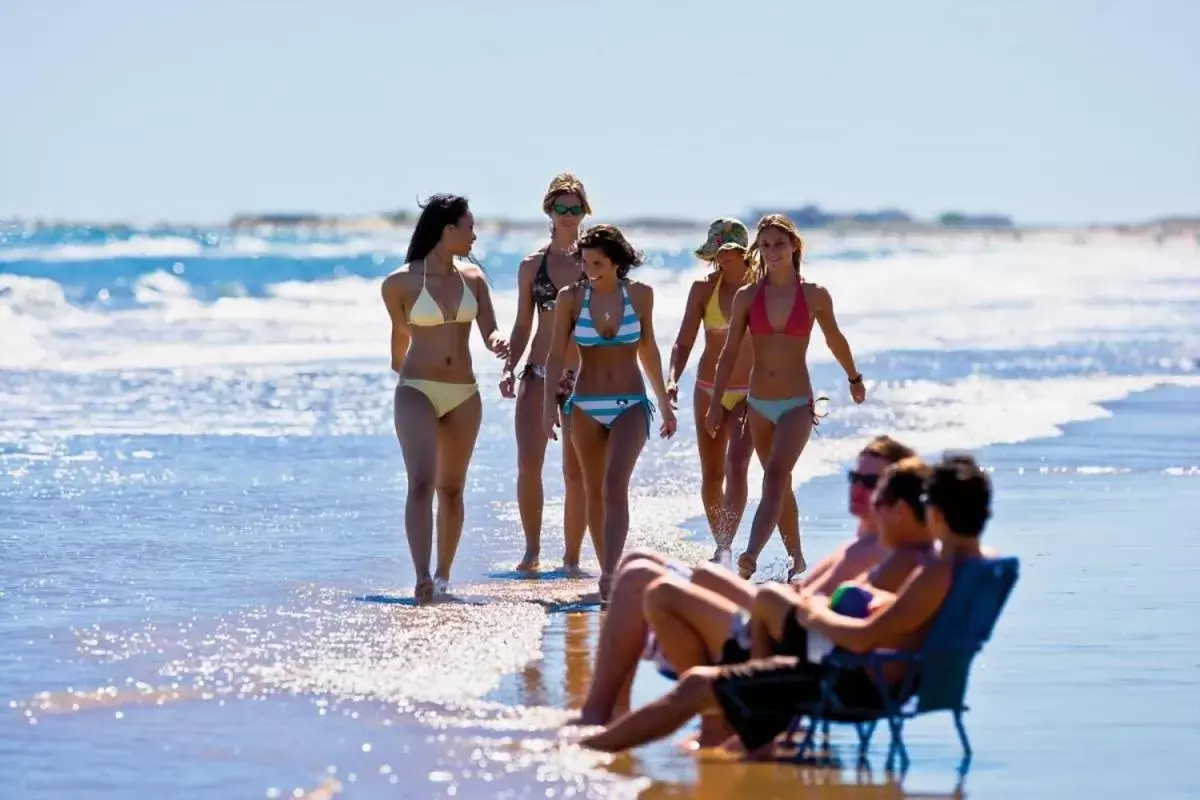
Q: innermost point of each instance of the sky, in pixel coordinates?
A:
(1053, 111)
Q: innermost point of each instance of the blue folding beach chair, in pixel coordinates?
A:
(936, 675)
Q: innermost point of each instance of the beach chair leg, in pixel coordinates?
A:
(962, 734)
(793, 726)
(897, 749)
(865, 731)
(806, 744)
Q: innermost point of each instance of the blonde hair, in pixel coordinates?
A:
(565, 183)
(754, 261)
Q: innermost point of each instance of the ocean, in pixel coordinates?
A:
(204, 583)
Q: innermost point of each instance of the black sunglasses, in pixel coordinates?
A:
(574, 211)
(865, 481)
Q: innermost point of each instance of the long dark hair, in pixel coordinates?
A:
(437, 212)
(609, 240)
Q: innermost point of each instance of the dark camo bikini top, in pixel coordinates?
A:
(545, 293)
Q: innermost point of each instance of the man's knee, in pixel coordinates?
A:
(638, 576)
(660, 594)
(640, 554)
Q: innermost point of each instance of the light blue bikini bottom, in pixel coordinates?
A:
(775, 409)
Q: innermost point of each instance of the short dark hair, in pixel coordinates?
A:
(904, 482)
(609, 240)
(962, 491)
(887, 448)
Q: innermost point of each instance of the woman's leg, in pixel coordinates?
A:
(531, 455)
(590, 440)
(738, 451)
(417, 429)
(779, 446)
(712, 468)
(575, 520)
(626, 438)
(457, 432)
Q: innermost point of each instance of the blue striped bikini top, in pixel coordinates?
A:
(629, 332)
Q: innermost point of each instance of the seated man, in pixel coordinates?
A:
(758, 698)
(624, 631)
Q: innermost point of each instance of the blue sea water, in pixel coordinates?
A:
(203, 583)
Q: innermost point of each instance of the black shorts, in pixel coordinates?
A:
(761, 698)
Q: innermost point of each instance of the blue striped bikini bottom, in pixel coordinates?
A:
(605, 408)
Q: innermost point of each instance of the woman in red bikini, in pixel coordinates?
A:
(725, 457)
(778, 307)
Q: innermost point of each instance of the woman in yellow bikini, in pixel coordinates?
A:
(725, 457)
(438, 409)
(778, 308)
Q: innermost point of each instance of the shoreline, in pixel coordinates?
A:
(395, 224)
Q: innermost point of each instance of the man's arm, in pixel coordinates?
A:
(915, 604)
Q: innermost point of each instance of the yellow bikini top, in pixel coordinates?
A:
(714, 319)
(426, 312)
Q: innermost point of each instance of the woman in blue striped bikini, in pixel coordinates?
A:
(611, 319)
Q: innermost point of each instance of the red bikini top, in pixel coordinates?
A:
(799, 322)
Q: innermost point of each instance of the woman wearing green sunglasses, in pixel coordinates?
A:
(539, 278)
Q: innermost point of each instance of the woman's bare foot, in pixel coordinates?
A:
(529, 564)
(573, 570)
(722, 557)
(423, 591)
(747, 564)
(605, 587)
(586, 718)
(798, 566)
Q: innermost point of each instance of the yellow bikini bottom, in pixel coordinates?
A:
(444, 397)
(729, 398)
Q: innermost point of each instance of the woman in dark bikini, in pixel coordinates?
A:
(724, 458)
(538, 279)
(779, 308)
(610, 319)
(438, 410)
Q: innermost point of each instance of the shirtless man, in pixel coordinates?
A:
(957, 507)
(624, 631)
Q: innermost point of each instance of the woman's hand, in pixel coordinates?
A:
(858, 389)
(673, 394)
(508, 383)
(667, 429)
(498, 345)
(551, 421)
(714, 418)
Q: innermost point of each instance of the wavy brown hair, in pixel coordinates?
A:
(754, 261)
(609, 240)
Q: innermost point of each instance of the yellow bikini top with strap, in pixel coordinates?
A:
(714, 318)
(426, 312)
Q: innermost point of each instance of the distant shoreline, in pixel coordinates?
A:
(403, 222)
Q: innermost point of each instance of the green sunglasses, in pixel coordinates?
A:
(574, 211)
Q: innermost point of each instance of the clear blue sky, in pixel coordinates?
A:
(1057, 111)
